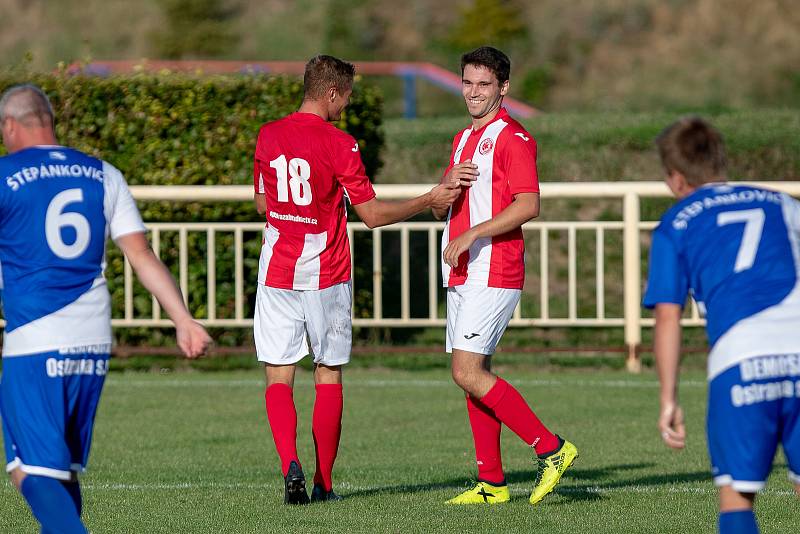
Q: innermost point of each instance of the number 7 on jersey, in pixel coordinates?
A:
(753, 227)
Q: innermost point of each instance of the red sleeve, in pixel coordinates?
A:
(350, 171)
(258, 184)
(519, 159)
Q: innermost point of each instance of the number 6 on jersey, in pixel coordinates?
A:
(300, 172)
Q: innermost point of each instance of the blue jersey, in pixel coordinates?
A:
(58, 206)
(735, 249)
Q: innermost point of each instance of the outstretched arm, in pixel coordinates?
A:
(376, 212)
(192, 338)
(667, 345)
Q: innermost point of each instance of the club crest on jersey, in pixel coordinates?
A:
(486, 146)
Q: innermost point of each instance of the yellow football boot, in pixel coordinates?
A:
(550, 470)
(482, 493)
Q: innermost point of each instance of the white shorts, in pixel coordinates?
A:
(283, 316)
(478, 316)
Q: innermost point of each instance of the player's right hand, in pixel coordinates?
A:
(192, 338)
(461, 175)
(443, 196)
(672, 427)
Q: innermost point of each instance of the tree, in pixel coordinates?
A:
(196, 28)
(488, 22)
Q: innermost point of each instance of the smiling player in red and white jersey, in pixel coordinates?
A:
(483, 268)
(304, 169)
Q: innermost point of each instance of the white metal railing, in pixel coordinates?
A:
(630, 229)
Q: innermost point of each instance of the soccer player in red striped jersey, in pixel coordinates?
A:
(483, 268)
(304, 169)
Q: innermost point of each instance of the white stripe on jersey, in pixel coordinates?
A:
(86, 321)
(772, 331)
(446, 233)
(480, 205)
(306, 271)
(461, 143)
(271, 236)
(122, 215)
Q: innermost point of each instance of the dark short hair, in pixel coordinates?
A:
(323, 72)
(490, 58)
(694, 148)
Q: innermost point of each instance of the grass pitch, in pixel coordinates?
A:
(191, 452)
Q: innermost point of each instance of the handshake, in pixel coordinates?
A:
(460, 176)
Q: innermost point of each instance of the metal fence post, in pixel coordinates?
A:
(409, 96)
(632, 266)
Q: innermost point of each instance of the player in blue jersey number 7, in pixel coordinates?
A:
(58, 206)
(736, 250)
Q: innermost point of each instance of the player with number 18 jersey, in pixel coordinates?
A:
(304, 169)
(305, 166)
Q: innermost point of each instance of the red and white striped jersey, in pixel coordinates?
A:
(505, 154)
(305, 166)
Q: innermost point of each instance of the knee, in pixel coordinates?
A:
(731, 500)
(324, 374)
(462, 377)
(17, 476)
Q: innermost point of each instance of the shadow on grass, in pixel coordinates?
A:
(573, 488)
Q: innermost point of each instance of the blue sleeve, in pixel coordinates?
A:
(667, 282)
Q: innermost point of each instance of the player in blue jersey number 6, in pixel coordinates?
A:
(736, 250)
(58, 206)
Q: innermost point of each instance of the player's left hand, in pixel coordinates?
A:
(192, 338)
(672, 427)
(457, 247)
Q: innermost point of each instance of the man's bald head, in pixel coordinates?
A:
(28, 105)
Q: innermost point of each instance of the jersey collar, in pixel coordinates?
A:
(501, 114)
(304, 116)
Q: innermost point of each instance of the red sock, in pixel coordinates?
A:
(326, 426)
(283, 422)
(486, 434)
(512, 410)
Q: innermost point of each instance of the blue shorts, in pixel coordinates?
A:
(752, 407)
(48, 403)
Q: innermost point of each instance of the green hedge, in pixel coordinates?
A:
(174, 129)
(179, 130)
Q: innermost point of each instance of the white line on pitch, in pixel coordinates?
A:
(215, 382)
(600, 490)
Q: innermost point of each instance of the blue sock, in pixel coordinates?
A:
(738, 522)
(74, 490)
(52, 505)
